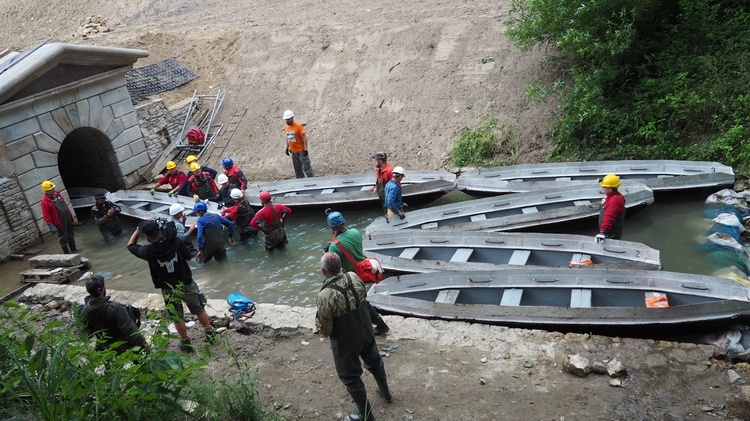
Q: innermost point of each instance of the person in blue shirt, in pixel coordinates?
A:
(210, 227)
(394, 203)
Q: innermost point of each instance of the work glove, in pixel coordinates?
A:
(287, 151)
(170, 193)
(401, 215)
(600, 237)
(52, 228)
(152, 191)
(196, 198)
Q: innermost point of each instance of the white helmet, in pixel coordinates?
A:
(175, 209)
(288, 114)
(236, 194)
(222, 178)
(399, 170)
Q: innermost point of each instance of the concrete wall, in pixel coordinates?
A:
(17, 229)
(160, 125)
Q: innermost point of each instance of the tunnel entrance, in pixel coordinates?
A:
(87, 159)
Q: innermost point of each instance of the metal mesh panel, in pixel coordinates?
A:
(155, 78)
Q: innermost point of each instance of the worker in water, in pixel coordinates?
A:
(383, 174)
(173, 176)
(241, 213)
(224, 198)
(394, 204)
(105, 214)
(273, 217)
(211, 235)
(612, 213)
(184, 189)
(177, 212)
(237, 179)
(296, 146)
(202, 186)
(58, 217)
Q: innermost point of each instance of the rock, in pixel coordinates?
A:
(576, 364)
(483, 360)
(599, 367)
(482, 382)
(617, 382)
(732, 376)
(51, 305)
(616, 369)
(55, 260)
(738, 402)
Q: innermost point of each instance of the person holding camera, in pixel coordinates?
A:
(167, 258)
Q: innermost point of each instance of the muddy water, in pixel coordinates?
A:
(291, 276)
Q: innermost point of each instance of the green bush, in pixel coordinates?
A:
(486, 145)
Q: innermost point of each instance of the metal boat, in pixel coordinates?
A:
(542, 210)
(408, 251)
(545, 297)
(662, 176)
(350, 190)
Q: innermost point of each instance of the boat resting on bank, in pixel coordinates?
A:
(409, 251)
(542, 210)
(662, 176)
(545, 297)
(350, 190)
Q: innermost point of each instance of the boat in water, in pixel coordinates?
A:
(350, 191)
(408, 251)
(551, 298)
(662, 176)
(562, 208)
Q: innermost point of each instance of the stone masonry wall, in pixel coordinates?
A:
(161, 125)
(17, 229)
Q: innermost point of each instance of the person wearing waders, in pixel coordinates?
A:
(273, 217)
(58, 217)
(184, 189)
(343, 317)
(347, 242)
(211, 235)
(201, 184)
(383, 174)
(241, 213)
(612, 213)
(105, 214)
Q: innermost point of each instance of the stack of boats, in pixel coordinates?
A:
(502, 259)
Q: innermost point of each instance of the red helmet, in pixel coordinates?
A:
(264, 196)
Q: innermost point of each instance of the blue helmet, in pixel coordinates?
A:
(227, 162)
(200, 207)
(335, 219)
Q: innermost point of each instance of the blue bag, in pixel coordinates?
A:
(240, 305)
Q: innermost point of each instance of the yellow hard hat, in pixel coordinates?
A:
(191, 158)
(48, 185)
(171, 165)
(195, 166)
(610, 181)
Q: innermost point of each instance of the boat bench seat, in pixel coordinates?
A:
(291, 193)
(581, 259)
(580, 298)
(512, 297)
(531, 209)
(462, 255)
(563, 178)
(364, 188)
(519, 257)
(429, 225)
(140, 205)
(480, 217)
(327, 191)
(447, 296)
(582, 202)
(409, 253)
(160, 209)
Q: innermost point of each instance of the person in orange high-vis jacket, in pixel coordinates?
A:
(296, 146)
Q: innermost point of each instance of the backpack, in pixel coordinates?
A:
(196, 137)
(240, 306)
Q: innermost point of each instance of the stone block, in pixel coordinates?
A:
(125, 137)
(71, 111)
(134, 164)
(68, 97)
(46, 104)
(137, 147)
(21, 147)
(114, 129)
(105, 120)
(20, 130)
(46, 143)
(115, 95)
(50, 127)
(8, 169)
(44, 159)
(123, 154)
(14, 115)
(95, 111)
(129, 120)
(123, 107)
(24, 164)
(55, 260)
(61, 118)
(31, 180)
(83, 112)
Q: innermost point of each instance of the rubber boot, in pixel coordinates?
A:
(382, 381)
(72, 244)
(363, 405)
(380, 327)
(65, 248)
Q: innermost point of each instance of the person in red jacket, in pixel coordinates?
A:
(273, 217)
(58, 217)
(173, 176)
(383, 174)
(202, 187)
(612, 214)
(236, 178)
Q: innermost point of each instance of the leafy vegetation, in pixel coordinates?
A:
(50, 371)
(486, 145)
(646, 79)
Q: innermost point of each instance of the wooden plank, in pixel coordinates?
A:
(480, 217)
(519, 257)
(409, 253)
(448, 296)
(327, 191)
(531, 209)
(580, 298)
(429, 225)
(512, 297)
(462, 255)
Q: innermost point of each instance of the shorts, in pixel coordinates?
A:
(189, 294)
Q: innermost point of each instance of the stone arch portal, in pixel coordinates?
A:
(87, 159)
